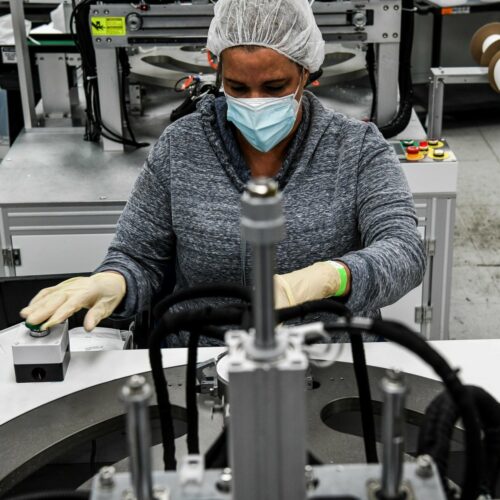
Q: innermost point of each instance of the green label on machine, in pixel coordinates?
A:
(108, 26)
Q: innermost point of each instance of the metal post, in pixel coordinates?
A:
(262, 225)
(136, 395)
(394, 394)
(263, 296)
(387, 82)
(109, 95)
(435, 111)
(23, 64)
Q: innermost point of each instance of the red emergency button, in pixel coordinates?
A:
(413, 153)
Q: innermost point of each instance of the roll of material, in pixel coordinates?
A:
(485, 43)
(485, 49)
(494, 72)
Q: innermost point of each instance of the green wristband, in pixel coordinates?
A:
(343, 279)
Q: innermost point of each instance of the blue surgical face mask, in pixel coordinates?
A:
(263, 121)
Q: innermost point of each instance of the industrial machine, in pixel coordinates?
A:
(262, 452)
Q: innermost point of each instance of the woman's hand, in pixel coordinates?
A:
(100, 293)
(321, 280)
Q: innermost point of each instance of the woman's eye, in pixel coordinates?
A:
(237, 89)
(275, 89)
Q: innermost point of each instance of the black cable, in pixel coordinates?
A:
(52, 495)
(370, 64)
(365, 397)
(489, 413)
(193, 443)
(437, 428)
(202, 291)
(402, 335)
(94, 124)
(300, 311)
(436, 432)
(174, 323)
(403, 116)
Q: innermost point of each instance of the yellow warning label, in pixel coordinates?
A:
(108, 26)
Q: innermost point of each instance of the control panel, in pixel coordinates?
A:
(429, 151)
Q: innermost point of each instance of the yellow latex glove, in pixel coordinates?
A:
(100, 293)
(315, 282)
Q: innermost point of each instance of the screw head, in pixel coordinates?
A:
(136, 382)
(394, 375)
(386, 7)
(424, 466)
(107, 477)
(385, 35)
(225, 480)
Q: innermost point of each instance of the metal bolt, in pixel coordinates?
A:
(109, 40)
(262, 187)
(396, 7)
(386, 7)
(106, 12)
(385, 35)
(394, 375)
(225, 480)
(136, 382)
(359, 19)
(98, 40)
(424, 466)
(394, 35)
(107, 477)
(95, 12)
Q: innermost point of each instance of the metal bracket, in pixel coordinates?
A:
(208, 381)
(11, 257)
(423, 314)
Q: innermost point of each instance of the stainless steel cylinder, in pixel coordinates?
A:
(136, 395)
(394, 396)
(263, 226)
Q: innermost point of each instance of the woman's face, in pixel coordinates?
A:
(260, 72)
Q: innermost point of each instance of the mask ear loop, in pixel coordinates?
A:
(297, 91)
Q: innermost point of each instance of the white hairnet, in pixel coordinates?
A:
(287, 26)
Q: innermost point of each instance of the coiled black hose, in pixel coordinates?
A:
(53, 495)
(174, 323)
(402, 118)
(200, 292)
(417, 344)
(436, 431)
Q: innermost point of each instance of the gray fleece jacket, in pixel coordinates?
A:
(345, 197)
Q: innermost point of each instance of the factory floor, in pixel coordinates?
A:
(475, 300)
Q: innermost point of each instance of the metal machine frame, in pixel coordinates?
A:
(375, 22)
(439, 77)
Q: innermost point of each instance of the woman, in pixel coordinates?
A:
(350, 221)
